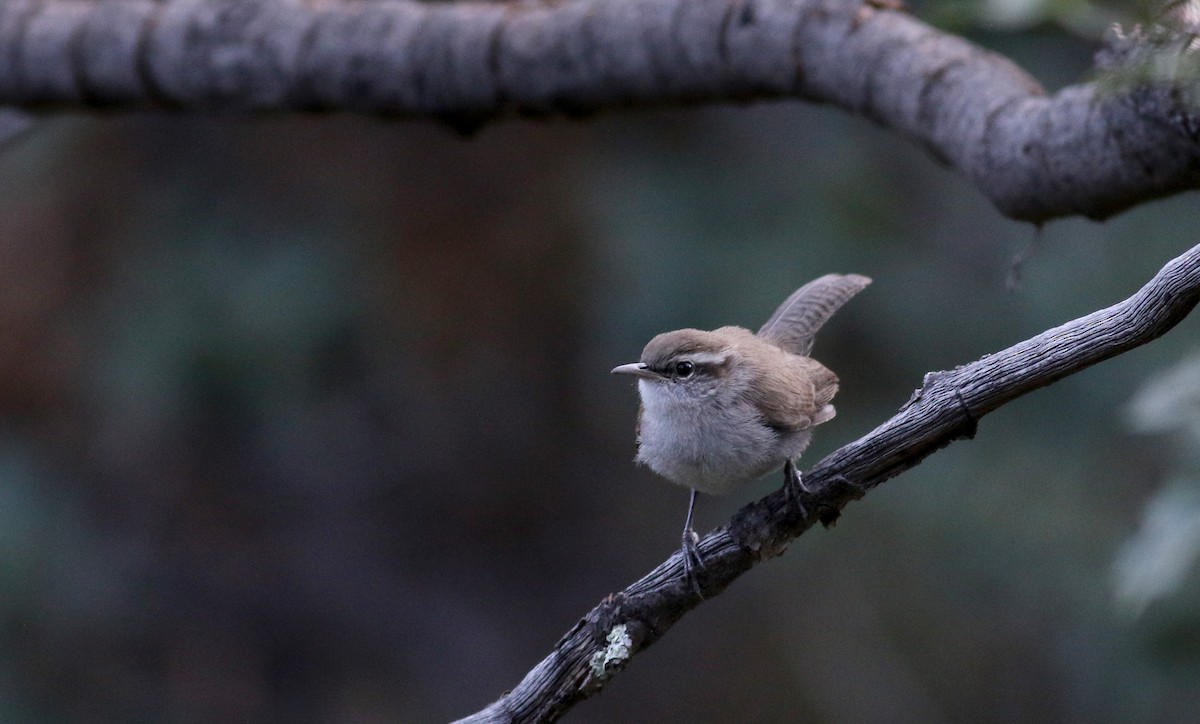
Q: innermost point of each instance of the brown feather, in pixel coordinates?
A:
(795, 323)
(668, 346)
(790, 391)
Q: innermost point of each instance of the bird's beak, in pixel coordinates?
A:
(637, 369)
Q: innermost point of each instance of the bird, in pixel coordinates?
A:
(722, 408)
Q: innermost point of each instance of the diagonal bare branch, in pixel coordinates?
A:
(1037, 157)
(946, 408)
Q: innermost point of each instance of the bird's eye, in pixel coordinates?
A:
(684, 369)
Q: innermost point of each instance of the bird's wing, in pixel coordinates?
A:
(794, 325)
(795, 395)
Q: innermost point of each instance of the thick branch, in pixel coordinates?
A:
(945, 409)
(1076, 152)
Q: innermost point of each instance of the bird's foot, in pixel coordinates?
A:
(692, 560)
(794, 488)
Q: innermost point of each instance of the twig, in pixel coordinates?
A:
(947, 407)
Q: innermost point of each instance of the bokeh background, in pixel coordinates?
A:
(310, 420)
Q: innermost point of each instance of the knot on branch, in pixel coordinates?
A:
(755, 532)
(839, 491)
(971, 425)
(931, 387)
(1160, 56)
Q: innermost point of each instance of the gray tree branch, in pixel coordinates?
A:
(1079, 151)
(946, 408)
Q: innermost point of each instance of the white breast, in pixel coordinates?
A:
(709, 444)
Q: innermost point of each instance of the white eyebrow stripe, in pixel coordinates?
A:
(707, 358)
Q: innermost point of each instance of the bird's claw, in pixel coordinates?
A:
(794, 488)
(692, 560)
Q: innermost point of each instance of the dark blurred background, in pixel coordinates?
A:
(310, 420)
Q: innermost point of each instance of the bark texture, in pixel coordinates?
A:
(946, 408)
(1080, 151)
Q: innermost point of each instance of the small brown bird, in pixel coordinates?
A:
(722, 408)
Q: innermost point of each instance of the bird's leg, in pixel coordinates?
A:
(691, 553)
(793, 486)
